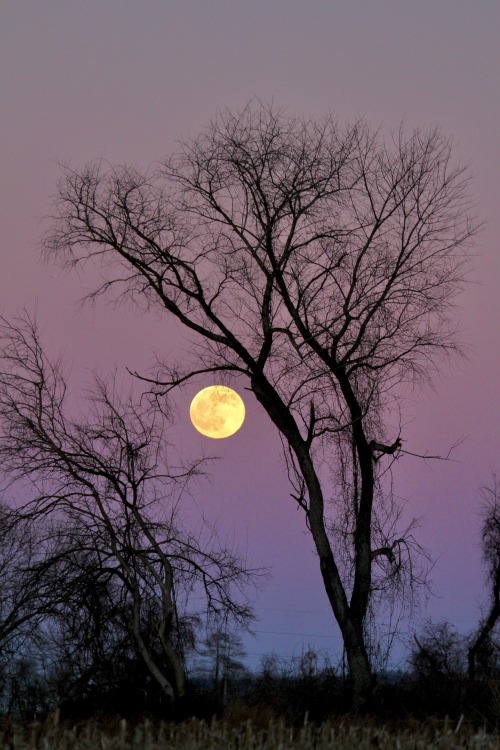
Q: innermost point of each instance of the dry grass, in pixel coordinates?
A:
(198, 735)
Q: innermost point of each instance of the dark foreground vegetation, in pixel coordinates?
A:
(229, 734)
(271, 709)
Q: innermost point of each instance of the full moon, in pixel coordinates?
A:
(217, 411)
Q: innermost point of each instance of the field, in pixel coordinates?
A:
(217, 735)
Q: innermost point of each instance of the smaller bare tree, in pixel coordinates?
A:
(106, 475)
(439, 651)
(224, 650)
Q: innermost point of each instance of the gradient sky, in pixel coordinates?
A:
(124, 80)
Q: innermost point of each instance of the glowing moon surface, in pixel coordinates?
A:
(217, 411)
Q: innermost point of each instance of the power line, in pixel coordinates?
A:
(301, 635)
(301, 611)
(330, 614)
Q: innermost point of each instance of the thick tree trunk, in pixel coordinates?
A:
(360, 671)
(349, 618)
(166, 686)
(173, 689)
(179, 677)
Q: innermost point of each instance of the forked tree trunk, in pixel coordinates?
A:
(350, 623)
(350, 617)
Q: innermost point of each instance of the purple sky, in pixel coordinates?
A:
(124, 80)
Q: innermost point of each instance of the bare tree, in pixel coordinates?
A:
(224, 650)
(438, 652)
(482, 644)
(105, 479)
(319, 262)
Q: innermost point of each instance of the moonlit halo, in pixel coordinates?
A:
(217, 411)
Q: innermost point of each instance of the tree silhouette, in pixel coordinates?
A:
(105, 478)
(319, 262)
(482, 647)
(224, 650)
